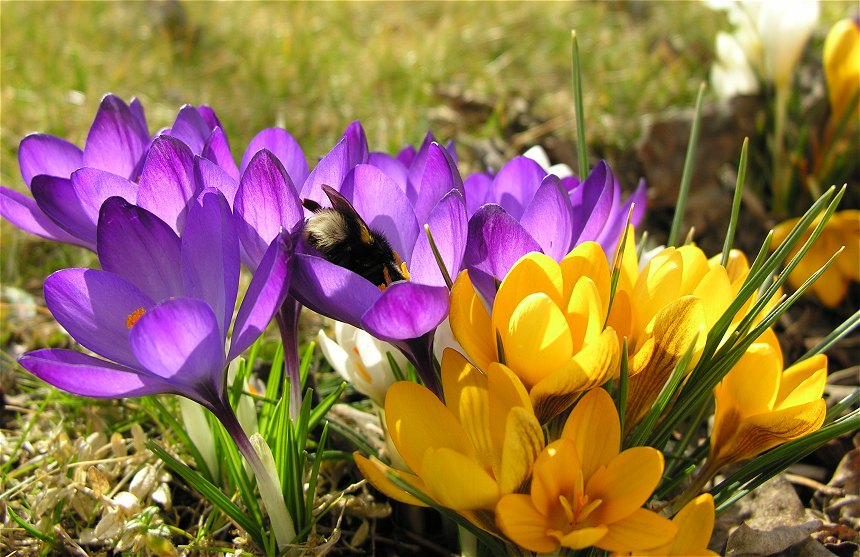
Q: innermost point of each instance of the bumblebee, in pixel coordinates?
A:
(342, 237)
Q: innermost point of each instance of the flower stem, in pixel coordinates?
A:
(708, 472)
(288, 324)
(780, 175)
(267, 480)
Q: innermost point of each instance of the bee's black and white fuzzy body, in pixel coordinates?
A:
(342, 237)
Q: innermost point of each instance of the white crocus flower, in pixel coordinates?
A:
(361, 360)
(784, 27)
(538, 154)
(731, 74)
(771, 35)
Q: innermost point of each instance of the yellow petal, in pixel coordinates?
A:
(695, 524)
(531, 274)
(590, 368)
(586, 260)
(658, 284)
(517, 517)
(673, 330)
(377, 474)
(465, 390)
(557, 471)
(536, 340)
(457, 481)
(581, 538)
(752, 384)
(849, 234)
(585, 313)
(715, 291)
(737, 267)
(506, 392)
(802, 382)
(625, 484)
(621, 316)
(418, 421)
(629, 263)
(841, 60)
(695, 265)
(759, 433)
(643, 529)
(471, 324)
(595, 430)
(523, 442)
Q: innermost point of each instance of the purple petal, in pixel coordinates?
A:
(330, 171)
(449, 226)
(406, 310)
(56, 198)
(440, 176)
(116, 140)
(24, 213)
(548, 218)
(611, 233)
(451, 147)
(266, 293)
(265, 203)
(570, 183)
(208, 114)
(217, 150)
(74, 204)
(592, 202)
(392, 167)
(136, 109)
(331, 290)
(208, 174)
(516, 184)
(284, 147)
(477, 189)
(190, 128)
(41, 153)
(139, 247)
(179, 342)
(167, 184)
(383, 206)
(356, 142)
(496, 241)
(407, 155)
(96, 308)
(416, 167)
(210, 256)
(84, 375)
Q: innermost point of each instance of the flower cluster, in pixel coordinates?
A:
(527, 445)
(537, 423)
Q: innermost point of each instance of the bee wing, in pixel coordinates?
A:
(344, 207)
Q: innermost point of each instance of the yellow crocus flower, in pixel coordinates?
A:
(759, 405)
(676, 300)
(584, 492)
(843, 229)
(467, 452)
(695, 524)
(842, 68)
(546, 324)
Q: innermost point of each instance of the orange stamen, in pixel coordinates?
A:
(132, 318)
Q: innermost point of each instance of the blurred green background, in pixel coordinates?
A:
(460, 69)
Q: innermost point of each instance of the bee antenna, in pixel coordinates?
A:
(311, 205)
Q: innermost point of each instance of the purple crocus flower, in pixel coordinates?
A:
(523, 209)
(267, 203)
(115, 146)
(404, 313)
(160, 309)
(163, 174)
